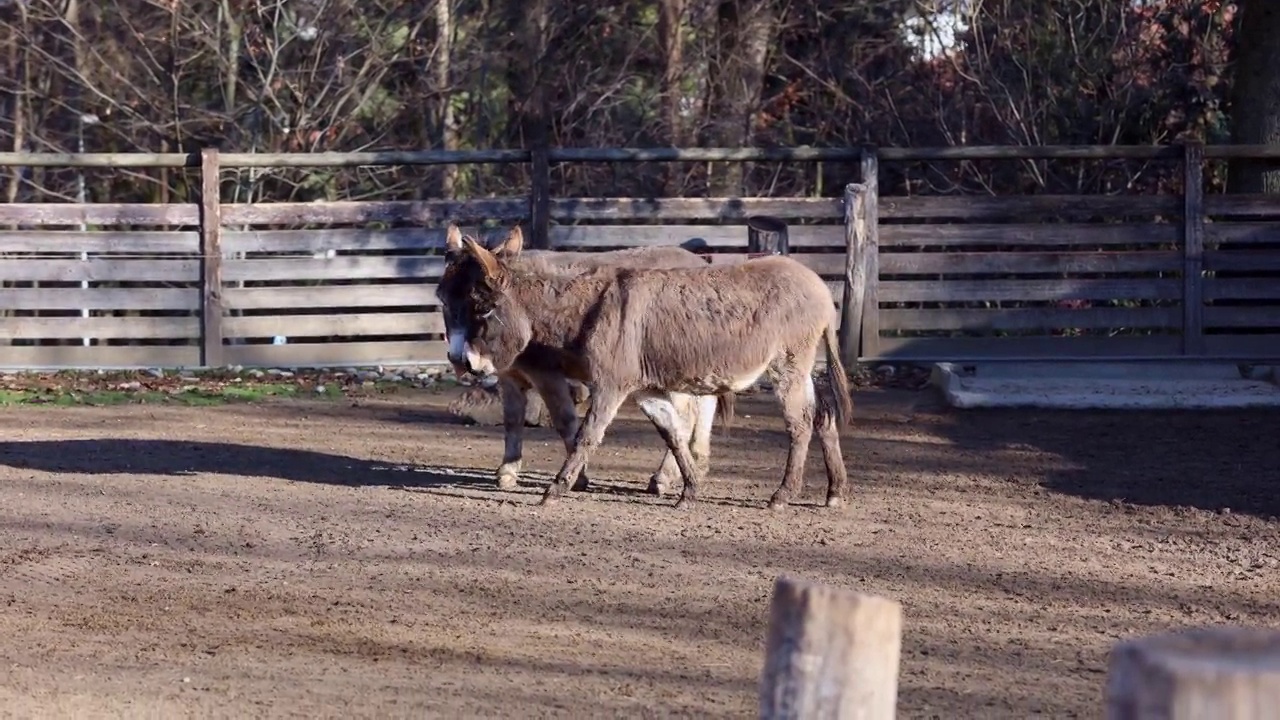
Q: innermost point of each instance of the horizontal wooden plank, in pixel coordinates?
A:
(374, 158)
(919, 263)
(330, 296)
(1047, 347)
(123, 299)
(1244, 347)
(111, 214)
(996, 290)
(99, 269)
(1227, 316)
(830, 265)
(1026, 207)
(420, 212)
(99, 160)
(100, 298)
(1036, 318)
(1242, 260)
(1228, 206)
(97, 356)
(569, 209)
(336, 268)
(99, 241)
(1089, 234)
(104, 328)
(409, 238)
(1029, 152)
(330, 354)
(1242, 232)
(409, 323)
(1217, 288)
(665, 154)
(574, 237)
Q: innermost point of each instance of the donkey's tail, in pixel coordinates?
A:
(724, 409)
(839, 381)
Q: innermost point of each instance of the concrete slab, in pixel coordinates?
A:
(1106, 385)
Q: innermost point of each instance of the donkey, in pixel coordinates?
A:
(544, 372)
(652, 333)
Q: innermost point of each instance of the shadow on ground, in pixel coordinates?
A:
(1209, 460)
(180, 457)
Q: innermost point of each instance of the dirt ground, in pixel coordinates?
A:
(334, 559)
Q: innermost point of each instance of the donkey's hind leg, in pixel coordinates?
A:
(663, 410)
(687, 407)
(826, 426)
(795, 390)
(511, 392)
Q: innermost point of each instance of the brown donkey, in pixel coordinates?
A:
(652, 333)
(544, 372)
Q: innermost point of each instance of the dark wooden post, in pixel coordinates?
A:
(1225, 673)
(767, 235)
(211, 309)
(539, 197)
(1193, 250)
(831, 654)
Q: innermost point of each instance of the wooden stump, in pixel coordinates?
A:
(831, 655)
(1225, 673)
(767, 235)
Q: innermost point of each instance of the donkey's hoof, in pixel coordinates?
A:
(657, 486)
(581, 484)
(548, 499)
(835, 503)
(508, 480)
(685, 502)
(777, 502)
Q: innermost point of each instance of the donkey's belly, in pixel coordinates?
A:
(715, 383)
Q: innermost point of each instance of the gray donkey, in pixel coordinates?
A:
(540, 370)
(655, 333)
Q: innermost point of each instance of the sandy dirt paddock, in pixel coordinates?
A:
(316, 559)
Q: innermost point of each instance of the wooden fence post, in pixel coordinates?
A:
(1193, 250)
(1225, 673)
(211, 309)
(870, 330)
(540, 197)
(831, 654)
(855, 279)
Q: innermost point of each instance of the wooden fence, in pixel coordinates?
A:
(209, 283)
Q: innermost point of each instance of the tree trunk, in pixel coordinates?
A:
(1255, 112)
(745, 29)
(448, 138)
(671, 38)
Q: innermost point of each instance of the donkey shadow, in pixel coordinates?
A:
(185, 457)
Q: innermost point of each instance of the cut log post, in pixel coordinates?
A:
(1225, 673)
(831, 654)
(767, 235)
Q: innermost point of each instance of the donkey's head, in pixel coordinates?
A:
(486, 327)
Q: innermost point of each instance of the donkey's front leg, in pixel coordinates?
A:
(600, 412)
(558, 396)
(511, 392)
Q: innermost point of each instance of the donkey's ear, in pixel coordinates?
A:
(488, 261)
(452, 239)
(512, 244)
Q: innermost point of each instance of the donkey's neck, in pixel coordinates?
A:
(558, 304)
